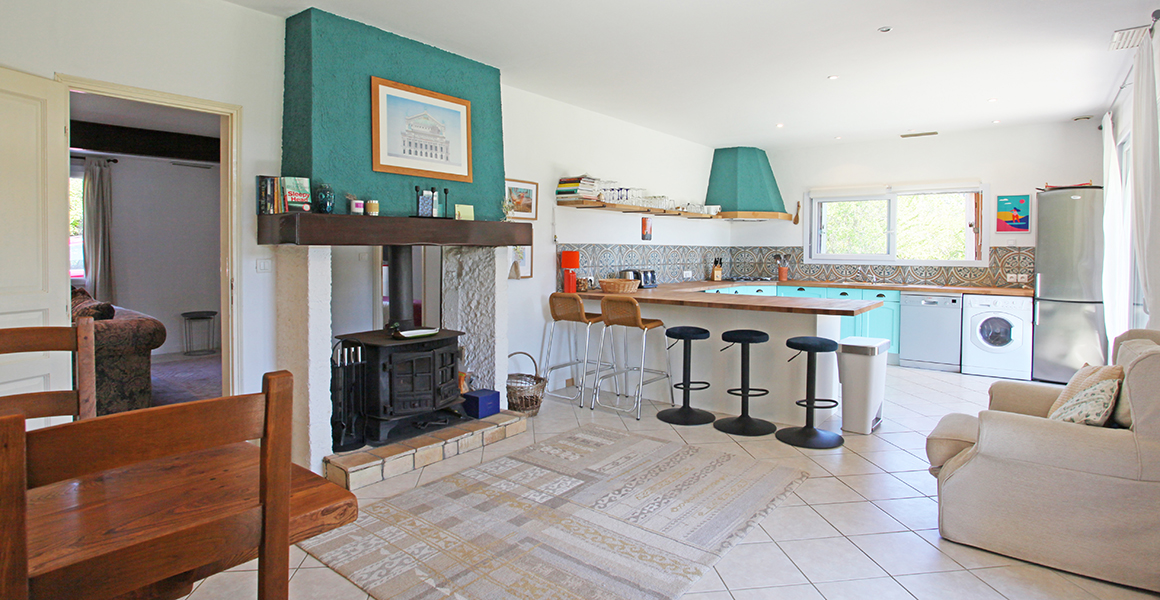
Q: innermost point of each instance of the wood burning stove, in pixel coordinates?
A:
(378, 380)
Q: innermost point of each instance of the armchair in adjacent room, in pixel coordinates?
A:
(1075, 497)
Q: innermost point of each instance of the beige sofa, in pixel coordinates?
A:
(1074, 497)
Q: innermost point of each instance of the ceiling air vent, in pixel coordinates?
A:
(1128, 38)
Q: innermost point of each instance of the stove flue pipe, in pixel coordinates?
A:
(401, 307)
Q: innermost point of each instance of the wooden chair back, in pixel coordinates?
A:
(53, 454)
(81, 401)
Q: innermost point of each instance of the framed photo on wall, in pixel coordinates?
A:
(522, 260)
(524, 198)
(420, 132)
(1013, 214)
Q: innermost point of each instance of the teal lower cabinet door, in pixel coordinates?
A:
(851, 326)
(883, 322)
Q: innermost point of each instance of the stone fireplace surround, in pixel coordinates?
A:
(474, 301)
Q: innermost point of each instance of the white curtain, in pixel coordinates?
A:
(98, 199)
(1117, 241)
(1146, 178)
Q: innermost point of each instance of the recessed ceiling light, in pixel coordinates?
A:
(995, 122)
(781, 125)
(884, 29)
(832, 77)
(992, 99)
(838, 137)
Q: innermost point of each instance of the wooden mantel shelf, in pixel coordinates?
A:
(308, 229)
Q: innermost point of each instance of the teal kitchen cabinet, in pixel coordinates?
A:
(801, 291)
(882, 322)
(851, 326)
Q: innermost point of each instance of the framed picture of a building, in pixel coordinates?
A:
(420, 132)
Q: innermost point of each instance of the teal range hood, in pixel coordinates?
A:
(742, 184)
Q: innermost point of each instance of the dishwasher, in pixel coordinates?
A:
(930, 331)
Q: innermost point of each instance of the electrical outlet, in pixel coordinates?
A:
(364, 256)
(1012, 278)
(264, 265)
(1024, 278)
(687, 274)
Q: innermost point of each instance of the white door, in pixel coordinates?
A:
(34, 288)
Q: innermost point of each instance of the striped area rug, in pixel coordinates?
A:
(589, 514)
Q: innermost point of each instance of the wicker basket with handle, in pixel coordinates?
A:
(526, 392)
(619, 286)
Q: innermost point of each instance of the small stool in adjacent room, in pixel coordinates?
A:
(810, 436)
(569, 308)
(687, 415)
(625, 312)
(745, 424)
(208, 318)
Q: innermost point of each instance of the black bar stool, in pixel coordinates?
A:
(687, 415)
(809, 436)
(745, 424)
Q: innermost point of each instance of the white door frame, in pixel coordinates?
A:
(231, 142)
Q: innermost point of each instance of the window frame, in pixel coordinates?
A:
(811, 232)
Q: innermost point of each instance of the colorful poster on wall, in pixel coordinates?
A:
(1013, 214)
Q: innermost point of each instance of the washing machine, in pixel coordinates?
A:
(997, 336)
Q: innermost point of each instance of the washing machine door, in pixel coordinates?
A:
(996, 332)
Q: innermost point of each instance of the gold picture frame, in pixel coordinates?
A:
(524, 197)
(419, 132)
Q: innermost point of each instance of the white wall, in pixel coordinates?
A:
(206, 49)
(165, 236)
(544, 140)
(1011, 160)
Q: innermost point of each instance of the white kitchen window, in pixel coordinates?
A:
(938, 226)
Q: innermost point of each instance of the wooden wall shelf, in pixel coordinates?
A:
(308, 229)
(628, 208)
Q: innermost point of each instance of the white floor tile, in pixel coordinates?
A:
(954, 585)
(709, 582)
(858, 518)
(922, 481)
(756, 566)
(787, 592)
(967, 556)
(1031, 582)
(311, 584)
(896, 460)
(904, 553)
(846, 464)
(915, 513)
(824, 490)
(882, 588)
(830, 559)
(879, 486)
(797, 523)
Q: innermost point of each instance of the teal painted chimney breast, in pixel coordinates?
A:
(742, 180)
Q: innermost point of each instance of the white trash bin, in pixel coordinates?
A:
(862, 373)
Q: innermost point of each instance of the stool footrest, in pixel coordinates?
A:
(818, 403)
(753, 392)
(692, 386)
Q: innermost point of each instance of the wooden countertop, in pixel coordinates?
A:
(690, 293)
(1027, 292)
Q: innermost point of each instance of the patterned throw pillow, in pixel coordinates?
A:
(84, 305)
(1093, 406)
(1084, 378)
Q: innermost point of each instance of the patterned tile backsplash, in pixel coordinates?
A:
(601, 261)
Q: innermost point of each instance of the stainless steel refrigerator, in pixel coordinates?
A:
(1069, 261)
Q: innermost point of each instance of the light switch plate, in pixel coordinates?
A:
(265, 265)
(1012, 278)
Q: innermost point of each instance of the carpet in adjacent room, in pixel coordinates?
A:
(592, 513)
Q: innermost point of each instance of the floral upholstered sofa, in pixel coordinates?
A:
(124, 340)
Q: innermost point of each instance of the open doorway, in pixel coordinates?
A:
(169, 231)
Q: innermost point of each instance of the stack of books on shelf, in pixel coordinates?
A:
(283, 194)
(582, 187)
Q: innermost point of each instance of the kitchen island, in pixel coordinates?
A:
(781, 317)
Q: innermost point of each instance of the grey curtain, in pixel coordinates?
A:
(98, 198)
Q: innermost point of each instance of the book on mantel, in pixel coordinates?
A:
(283, 194)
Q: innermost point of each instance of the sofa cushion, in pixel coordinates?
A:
(1093, 406)
(84, 305)
(1084, 378)
(1128, 352)
(953, 434)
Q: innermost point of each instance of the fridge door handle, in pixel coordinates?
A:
(1038, 280)
(1035, 317)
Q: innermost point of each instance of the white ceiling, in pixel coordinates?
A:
(107, 110)
(727, 72)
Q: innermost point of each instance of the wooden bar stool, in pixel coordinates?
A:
(569, 308)
(625, 312)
